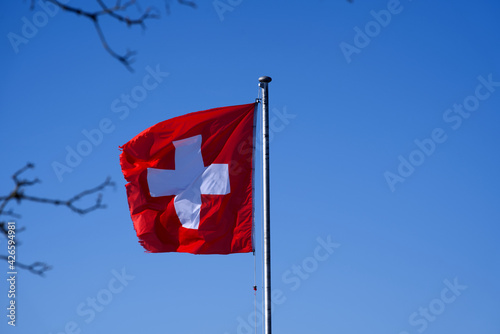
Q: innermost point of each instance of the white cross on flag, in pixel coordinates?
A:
(190, 182)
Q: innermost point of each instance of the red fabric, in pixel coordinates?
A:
(226, 221)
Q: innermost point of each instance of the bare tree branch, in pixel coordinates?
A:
(70, 202)
(11, 213)
(117, 12)
(18, 194)
(188, 3)
(37, 268)
(5, 231)
(191, 4)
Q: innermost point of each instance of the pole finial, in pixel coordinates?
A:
(265, 79)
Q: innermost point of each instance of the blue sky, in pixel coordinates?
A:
(384, 166)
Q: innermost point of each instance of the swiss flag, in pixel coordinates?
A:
(190, 182)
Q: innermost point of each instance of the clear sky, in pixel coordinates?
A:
(384, 165)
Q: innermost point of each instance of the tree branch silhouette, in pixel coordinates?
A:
(37, 268)
(18, 195)
(119, 13)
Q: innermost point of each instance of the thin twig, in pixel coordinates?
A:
(37, 268)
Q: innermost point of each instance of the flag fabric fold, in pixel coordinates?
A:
(190, 182)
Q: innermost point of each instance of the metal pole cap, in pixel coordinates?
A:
(265, 79)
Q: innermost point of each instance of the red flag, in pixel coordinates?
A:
(190, 182)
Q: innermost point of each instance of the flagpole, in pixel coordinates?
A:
(263, 83)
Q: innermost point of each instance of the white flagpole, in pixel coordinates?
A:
(263, 83)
